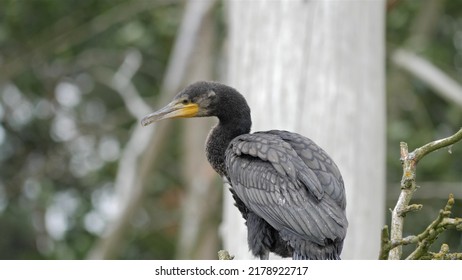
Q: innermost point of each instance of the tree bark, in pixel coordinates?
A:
(317, 68)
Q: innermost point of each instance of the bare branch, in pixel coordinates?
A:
(444, 254)
(410, 208)
(384, 243)
(408, 187)
(224, 255)
(435, 145)
(426, 238)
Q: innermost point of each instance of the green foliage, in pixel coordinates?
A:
(62, 128)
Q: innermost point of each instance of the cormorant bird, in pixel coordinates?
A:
(286, 187)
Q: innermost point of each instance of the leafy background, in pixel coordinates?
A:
(63, 128)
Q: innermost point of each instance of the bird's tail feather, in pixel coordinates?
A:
(300, 256)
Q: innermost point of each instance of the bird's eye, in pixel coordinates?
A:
(185, 101)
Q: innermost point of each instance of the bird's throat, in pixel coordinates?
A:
(218, 140)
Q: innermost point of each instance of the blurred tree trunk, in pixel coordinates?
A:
(198, 237)
(317, 68)
(145, 143)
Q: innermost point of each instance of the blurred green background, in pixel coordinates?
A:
(63, 126)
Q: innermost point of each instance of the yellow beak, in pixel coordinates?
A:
(172, 110)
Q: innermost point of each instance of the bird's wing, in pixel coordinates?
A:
(274, 181)
(319, 162)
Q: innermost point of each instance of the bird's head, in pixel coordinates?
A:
(201, 99)
(196, 100)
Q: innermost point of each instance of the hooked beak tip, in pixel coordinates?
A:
(147, 120)
(144, 122)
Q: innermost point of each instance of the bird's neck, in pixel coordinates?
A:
(220, 137)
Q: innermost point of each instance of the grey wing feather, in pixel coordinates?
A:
(319, 162)
(279, 186)
(282, 157)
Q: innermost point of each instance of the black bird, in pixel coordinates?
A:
(287, 188)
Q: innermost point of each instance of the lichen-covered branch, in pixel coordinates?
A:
(384, 243)
(408, 188)
(409, 161)
(224, 255)
(419, 153)
(424, 239)
(444, 254)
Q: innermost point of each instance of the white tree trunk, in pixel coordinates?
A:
(317, 68)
